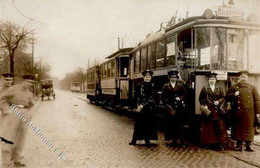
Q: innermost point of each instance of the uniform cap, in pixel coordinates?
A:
(144, 73)
(181, 58)
(6, 75)
(243, 72)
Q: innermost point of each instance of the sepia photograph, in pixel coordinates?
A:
(130, 83)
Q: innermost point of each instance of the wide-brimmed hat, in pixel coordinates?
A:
(149, 72)
(243, 72)
(8, 75)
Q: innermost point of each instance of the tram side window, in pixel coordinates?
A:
(108, 69)
(143, 58)
(102, 71)
(151, 56)
(254, 51)
(160, 54)
(112, 68)
(170, 54)
(137, 61)
(236, 49)
(105, 70)
(203, 47)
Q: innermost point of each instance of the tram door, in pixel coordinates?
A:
(124, 77)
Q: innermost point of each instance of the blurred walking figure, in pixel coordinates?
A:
(246, 104)
(145, 127)
(20, 97)
(173, 97)
(214, 131)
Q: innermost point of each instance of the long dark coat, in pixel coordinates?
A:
(145, 127)
(213, 126)
(246, 106)
(175, 123)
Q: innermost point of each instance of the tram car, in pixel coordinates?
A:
(75, 87)
(93, 84)
(114, 79)
(210, 43)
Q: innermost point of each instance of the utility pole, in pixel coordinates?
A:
(122, 45)
(118, 40)
(33, 53)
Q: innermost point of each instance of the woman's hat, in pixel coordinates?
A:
(149, 72)
(211, 75)
(173, 73)
(8, 75)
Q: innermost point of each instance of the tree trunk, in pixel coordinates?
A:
(11, 62)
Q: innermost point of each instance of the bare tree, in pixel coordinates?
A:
(12, 37)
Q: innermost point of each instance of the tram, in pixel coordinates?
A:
(93, 84)
(210, 43)
(224, 45)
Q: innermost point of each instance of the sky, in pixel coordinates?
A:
(71, 32)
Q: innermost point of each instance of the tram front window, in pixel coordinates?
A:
(218, 48)
(203, 47)
(236, 46)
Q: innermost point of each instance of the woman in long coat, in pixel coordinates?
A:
(145, 127)
(213, 132)
(173, 97)
(246, 104)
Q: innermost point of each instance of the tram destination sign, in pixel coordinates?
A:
(229, 11)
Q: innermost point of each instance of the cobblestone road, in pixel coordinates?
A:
(94, 137)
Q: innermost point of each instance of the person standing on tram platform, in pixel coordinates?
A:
(213, 131)
(174, 95)
(145, 127)
(246, 106)
(184, 75)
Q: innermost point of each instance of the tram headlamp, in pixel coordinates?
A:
(208, 14)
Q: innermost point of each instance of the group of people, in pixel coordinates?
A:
(243, 97)
(18, 93)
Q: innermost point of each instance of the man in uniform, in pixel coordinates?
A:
(183, 71)
(7, 80)
(13, 127)
(247, 105)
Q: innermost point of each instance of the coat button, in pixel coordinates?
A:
(238, 107)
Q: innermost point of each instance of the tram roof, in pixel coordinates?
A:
(193, 21)
(95, 66)
(122, 51)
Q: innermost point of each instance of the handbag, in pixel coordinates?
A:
(170, 110)
(205, 110)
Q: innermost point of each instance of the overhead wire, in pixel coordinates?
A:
(13, 2)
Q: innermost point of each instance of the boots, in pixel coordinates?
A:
(238, 146)
(248, 147)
